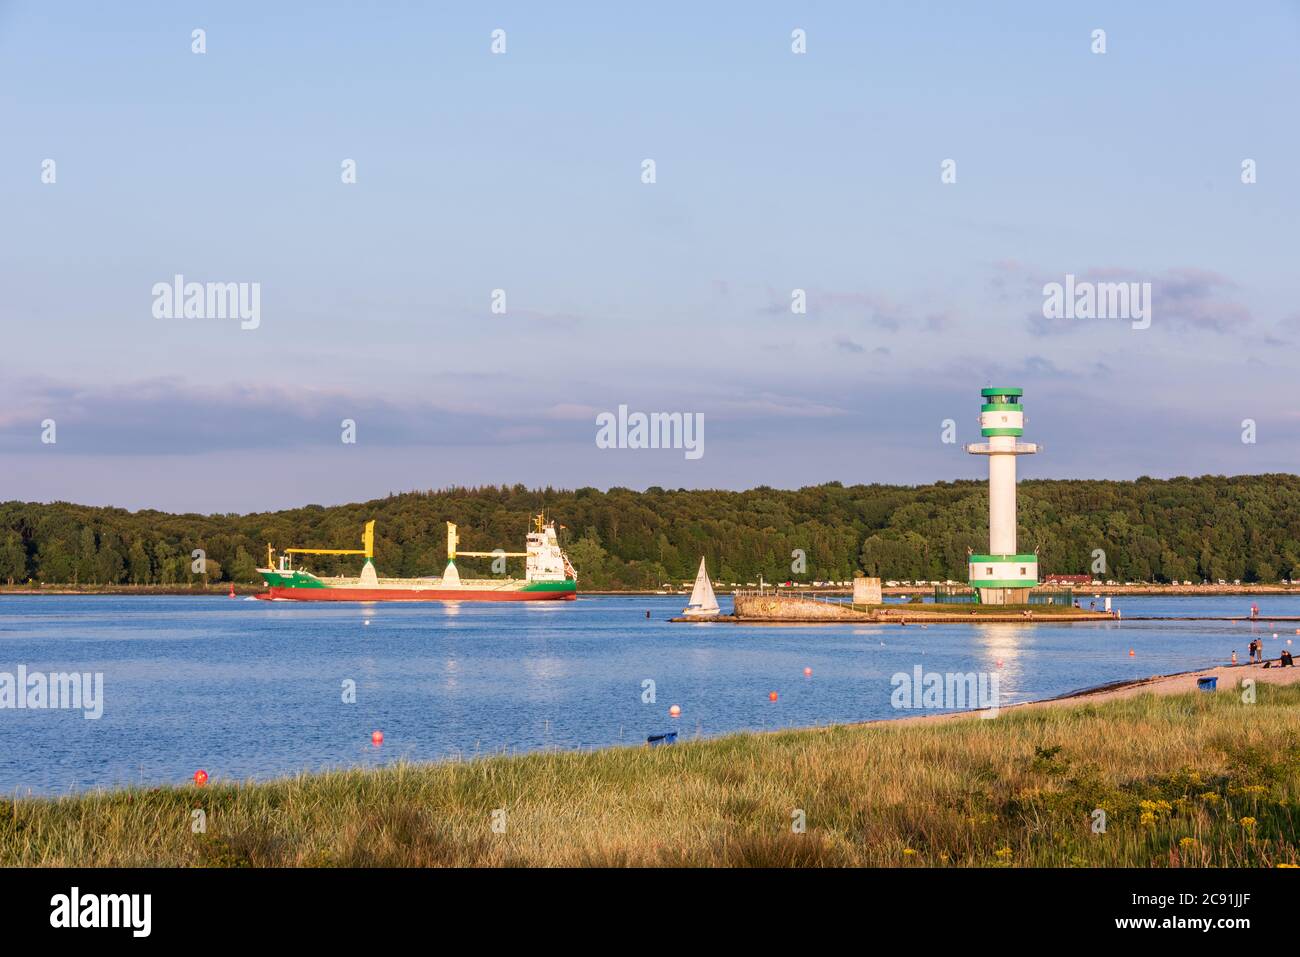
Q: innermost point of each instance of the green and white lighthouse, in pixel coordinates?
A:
(1003, 576)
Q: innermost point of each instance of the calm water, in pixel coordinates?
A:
(249, 689)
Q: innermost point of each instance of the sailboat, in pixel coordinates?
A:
(703, 602)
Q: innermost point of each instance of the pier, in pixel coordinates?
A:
(766, 607)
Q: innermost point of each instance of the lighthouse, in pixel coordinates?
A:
(1003, 576)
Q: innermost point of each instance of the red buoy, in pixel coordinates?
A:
(675, 711)
(807, 672)
(200, 777)
(376, 738)
(771, 696)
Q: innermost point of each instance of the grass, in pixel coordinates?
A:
(1184, 780)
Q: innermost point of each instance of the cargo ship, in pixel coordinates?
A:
(548, 576)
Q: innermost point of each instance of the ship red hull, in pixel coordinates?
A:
(409, 594)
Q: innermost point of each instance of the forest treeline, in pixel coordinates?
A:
(1207, 528)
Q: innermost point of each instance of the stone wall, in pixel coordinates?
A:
(866, 591)
(795, 609)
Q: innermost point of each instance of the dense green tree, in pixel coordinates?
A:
(110, 566)
(55, 562)
(13, 558)
(141, 567)
(1245, 527)
(242, 567)
(593, 557)
(86, 556)
(164, 563)
(212, 572)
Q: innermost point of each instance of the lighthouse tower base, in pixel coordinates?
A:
(1003, 579)
(1004, 596)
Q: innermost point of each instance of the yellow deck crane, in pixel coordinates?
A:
(368, 550)
(453, 542)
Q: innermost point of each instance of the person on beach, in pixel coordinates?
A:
(1253, 648)
(1234, 656)
(1284, 660)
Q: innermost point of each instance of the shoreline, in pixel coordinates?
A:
(1178, 682)
(1185, 779)
(223, 588)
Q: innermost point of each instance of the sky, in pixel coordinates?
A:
(524, 171)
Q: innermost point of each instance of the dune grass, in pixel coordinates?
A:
(1185, 780)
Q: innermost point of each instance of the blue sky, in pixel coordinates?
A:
(522, 172)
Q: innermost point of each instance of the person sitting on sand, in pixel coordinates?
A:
(1285, 660)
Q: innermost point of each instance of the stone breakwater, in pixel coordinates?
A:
(792, 608)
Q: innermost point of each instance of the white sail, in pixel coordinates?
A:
(703, 602)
